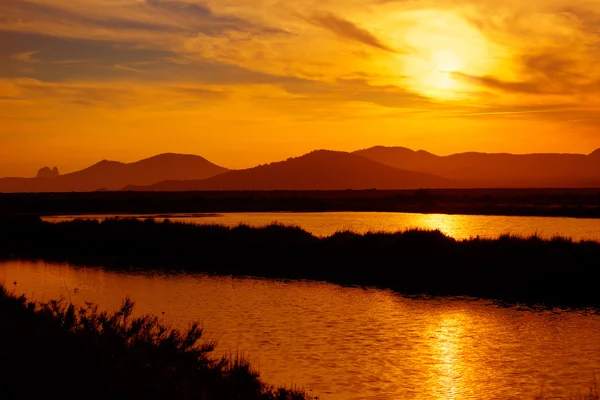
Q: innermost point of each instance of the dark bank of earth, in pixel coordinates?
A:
(578, 203)
(555, 272)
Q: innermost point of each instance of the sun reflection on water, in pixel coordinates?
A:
(448, 224)
(448, 371)
(457, 226)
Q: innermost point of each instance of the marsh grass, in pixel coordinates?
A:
(530, 270)
(57, 350)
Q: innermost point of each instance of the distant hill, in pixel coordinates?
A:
(498, 170)
(112, 175)
(318, 170)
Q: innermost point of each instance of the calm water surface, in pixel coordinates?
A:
(349, 343)
(458, 226)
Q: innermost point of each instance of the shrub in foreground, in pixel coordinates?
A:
(56, 350)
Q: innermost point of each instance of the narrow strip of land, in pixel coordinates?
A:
(577, 203)
(530, 270)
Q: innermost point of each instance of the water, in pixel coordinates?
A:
(458, 226)
(349, 343)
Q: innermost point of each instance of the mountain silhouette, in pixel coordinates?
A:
(318, 170)
(113, 175)
(496, 170)
(374, 168)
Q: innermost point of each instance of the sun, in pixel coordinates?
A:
(444, 64)
(447, 61)
(444, 47)
(437, 73)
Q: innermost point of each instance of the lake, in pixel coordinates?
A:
(458, 226)
(345, 343)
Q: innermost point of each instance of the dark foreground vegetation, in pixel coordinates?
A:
(528, 270)
(57, 351)
(580, 203)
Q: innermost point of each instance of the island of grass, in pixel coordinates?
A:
(554, 272)
(55, 350)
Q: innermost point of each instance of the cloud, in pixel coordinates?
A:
(70, 59)
(347, 30)
(359, 90)
(201, 93)
(83, 94)
(550, 47)
(127, 68)
(513, 55)
(26, 12)
(194, 17)
(109, 95)
(154, 23)
(26, 57)
(545, 74)
(507, 86)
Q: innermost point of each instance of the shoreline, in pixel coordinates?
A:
(537, 214)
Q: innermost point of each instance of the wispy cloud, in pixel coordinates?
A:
(347, 30)
(530, 87)
(126, 68)
(26, 57)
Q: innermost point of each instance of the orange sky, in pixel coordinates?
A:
(243, 82)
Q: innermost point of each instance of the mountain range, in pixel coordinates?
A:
(112, 175)
(374, 168)
(318, 170)
(499, 170)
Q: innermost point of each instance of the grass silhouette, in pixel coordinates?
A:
(532, 270)
(57, 350)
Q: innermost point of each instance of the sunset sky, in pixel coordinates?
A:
(243, 82)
